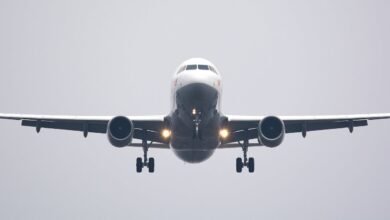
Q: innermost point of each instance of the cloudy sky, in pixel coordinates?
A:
(91, 57)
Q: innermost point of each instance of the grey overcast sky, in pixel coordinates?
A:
(282, 57)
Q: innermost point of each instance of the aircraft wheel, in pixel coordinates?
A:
(139, 165)
(251, 165)
(151, 165)
(239, 165)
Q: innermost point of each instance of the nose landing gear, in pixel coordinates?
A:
(196, 115)
(245, 162)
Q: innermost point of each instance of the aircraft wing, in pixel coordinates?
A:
(242, 127)
(95, 124)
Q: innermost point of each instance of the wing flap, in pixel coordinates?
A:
(153, 145)
(68, 125)
(301, 126)
(149, 135)
(241, 135)
(237, 145)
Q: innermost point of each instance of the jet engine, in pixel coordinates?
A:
(120, 131)
(271, 131)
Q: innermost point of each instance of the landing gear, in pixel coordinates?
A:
(196, 119)
(251, 165)
(145, 161)
(151, 165)
(245, 162)
(139, 165)
(239, 165)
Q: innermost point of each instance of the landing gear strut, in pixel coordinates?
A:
(245, 162)
(145, 161)
(196, 120)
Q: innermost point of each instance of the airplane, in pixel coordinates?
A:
(195, 127)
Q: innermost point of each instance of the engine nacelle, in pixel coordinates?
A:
(120, 131)
(271, 131)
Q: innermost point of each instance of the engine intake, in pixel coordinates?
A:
(120, 131)
(271, 131)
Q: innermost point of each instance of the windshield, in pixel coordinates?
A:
(203, 67)
(195, 67)
(191, 67)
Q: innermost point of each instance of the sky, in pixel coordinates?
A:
(276, 57)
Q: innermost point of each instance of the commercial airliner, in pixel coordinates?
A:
(195, 126)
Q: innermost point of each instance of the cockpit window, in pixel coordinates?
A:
(212, 69)
(181, 69)
(195, 67)
(191, 67)
(203, 67)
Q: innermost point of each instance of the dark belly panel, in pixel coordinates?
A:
(191, 148)
(194, 150)
(190, 144)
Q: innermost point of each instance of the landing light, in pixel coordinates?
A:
(166, 133)
(224, 133)
(194, 111)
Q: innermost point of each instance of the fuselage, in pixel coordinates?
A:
(195, 118)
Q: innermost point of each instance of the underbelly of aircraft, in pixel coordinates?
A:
(195, 123)
(194, 151)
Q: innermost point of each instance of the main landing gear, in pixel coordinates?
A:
(245, 162)
(145, 161)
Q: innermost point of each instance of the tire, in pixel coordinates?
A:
(251, 165)
(139, 165)
(239, 165)
(151, 165)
